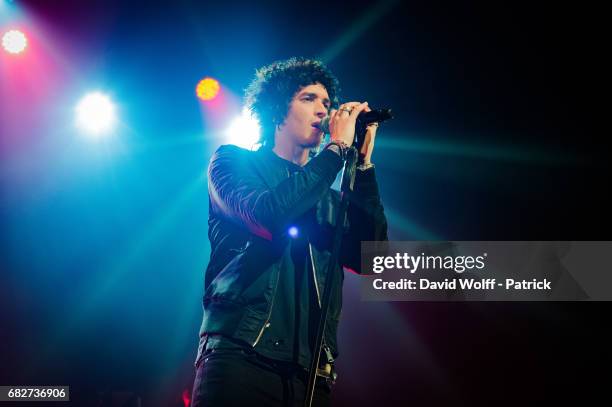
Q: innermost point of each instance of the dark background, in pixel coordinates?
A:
(103, 246)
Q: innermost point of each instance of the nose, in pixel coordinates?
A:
(321, 110)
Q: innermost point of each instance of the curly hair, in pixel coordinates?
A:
(270, 93)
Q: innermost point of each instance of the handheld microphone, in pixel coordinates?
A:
(364, 118)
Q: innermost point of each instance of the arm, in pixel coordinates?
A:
(366, 216)
(240, 194)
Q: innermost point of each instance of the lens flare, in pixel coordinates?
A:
(293, 232)
(96, 114)
(243, 131)
(208, 89)
(14, 41)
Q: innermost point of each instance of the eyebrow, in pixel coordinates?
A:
(325, 100)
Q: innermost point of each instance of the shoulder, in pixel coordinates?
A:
(229, 158)
(231, 153)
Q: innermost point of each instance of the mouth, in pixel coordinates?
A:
(317, 125)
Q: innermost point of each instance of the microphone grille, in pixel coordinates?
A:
(324, 126)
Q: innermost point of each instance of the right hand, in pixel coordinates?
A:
(342, 123)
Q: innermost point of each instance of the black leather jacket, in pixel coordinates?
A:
(253, 199)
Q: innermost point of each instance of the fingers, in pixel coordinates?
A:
(371, 129)
(358, 109)
(342, 121)
(332, 114)
(348, 107)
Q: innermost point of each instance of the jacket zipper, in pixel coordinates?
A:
(314, 274)
(267, 323)
(326, 349)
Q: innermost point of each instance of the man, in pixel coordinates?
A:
(271, 223)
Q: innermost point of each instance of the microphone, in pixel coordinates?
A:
(364, 118)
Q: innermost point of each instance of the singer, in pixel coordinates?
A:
(271, 218)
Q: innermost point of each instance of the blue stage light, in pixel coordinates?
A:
(293, 232)
(95, 114)
(243, 131)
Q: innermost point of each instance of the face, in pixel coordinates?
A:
(308, 107)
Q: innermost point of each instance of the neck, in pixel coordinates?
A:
(291, 152)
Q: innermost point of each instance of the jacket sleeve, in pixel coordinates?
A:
(366, 216)
(241, 194)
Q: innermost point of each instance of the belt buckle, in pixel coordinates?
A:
(328, 373)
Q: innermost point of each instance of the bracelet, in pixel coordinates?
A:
(342, 148)
(364, 167)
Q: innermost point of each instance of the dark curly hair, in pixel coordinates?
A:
(270, 93)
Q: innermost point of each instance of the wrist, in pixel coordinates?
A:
(340, 141)
(365, 166)
(339, 147)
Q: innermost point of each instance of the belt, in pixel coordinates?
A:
(328, 372)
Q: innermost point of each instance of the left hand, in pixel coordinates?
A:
(368, 142)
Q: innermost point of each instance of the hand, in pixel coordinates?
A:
(342, 121)
(365, 154)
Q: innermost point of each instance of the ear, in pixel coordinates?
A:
(278, 125)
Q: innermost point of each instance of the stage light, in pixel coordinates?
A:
(207, 89)
(293, 232)
(95, 114)
(186, 396)
(243, 130)
(14, 41)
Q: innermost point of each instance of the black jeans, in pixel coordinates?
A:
(237, 377)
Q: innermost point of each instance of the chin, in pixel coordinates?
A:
(313, 141)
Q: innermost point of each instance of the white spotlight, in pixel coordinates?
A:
(243, 131)
(14, 41)
(95, 114)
